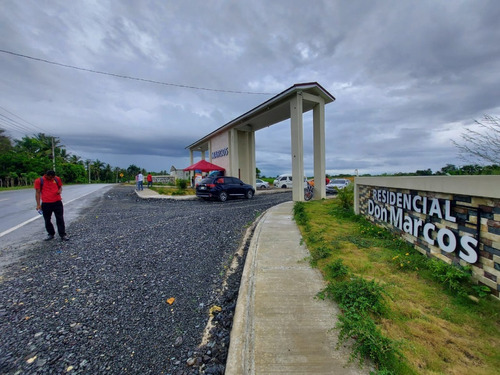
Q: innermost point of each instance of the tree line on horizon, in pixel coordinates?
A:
(23, 160)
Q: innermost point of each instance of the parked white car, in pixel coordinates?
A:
(260, 184)
(285, 181)
(337, 183)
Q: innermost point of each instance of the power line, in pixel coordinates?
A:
(16, 123)
(133, 78)
(11, 124)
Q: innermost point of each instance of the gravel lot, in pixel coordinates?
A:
(98, 303)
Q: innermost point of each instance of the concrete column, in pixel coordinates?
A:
(191, 158)
(233, 152)
(319, 150)
(251, 158)
(297, 132)
(246, 155)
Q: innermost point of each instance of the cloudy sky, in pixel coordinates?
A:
(408, 76)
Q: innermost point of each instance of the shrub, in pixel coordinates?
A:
(359, 295)
(181, 183)
(318, 253)
(346, 197)
(451, 276)
(299, 213)
(337, 269)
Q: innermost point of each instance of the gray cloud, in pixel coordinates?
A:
(408, 76)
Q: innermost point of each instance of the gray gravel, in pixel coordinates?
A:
(98, 303)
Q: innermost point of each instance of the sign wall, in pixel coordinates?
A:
(455, 228)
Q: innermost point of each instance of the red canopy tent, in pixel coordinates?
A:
(204, 166)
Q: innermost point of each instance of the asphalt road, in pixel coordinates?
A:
(20, 223)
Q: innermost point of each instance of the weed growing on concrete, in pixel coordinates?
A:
(361, 301)
(299, 213)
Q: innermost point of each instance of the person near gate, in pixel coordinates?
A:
(150, 180)
(140, 180)
(48, 198)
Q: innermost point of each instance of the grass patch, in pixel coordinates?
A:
(173, 190)
(408, 313)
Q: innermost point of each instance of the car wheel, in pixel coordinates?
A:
(223, 196)
(249, 194)
(283, 186)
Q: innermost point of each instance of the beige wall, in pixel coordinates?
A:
(218, 143)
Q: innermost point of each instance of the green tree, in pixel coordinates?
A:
(75, 159)
(471, 169)
(449, 169)
(96, 168)
(132, 171)
(426, 172)
(70, 172)
(5, 142)
(107, 174)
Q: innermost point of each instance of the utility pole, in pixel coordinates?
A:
(88, 167)
(53, 156)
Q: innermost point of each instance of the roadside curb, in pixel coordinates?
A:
(151, 194)
(238, 362)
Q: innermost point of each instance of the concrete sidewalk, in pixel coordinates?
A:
(279, 326)
(149, 193)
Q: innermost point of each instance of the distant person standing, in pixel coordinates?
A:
(140, 181)
(150, 180)
(49, 188)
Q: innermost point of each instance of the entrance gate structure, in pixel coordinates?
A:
(232, 146)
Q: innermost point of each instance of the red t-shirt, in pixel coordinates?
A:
(49, 190)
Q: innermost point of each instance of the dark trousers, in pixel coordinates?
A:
(58, 210)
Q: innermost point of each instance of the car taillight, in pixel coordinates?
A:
(210, 185)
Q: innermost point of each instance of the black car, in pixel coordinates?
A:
(223, 187)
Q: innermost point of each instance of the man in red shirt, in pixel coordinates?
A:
(49, 188)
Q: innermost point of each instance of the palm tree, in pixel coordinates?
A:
(108, 173)
(96, 167)
(89, 163)
(48, 142)
(30, 146)
(75, 159)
